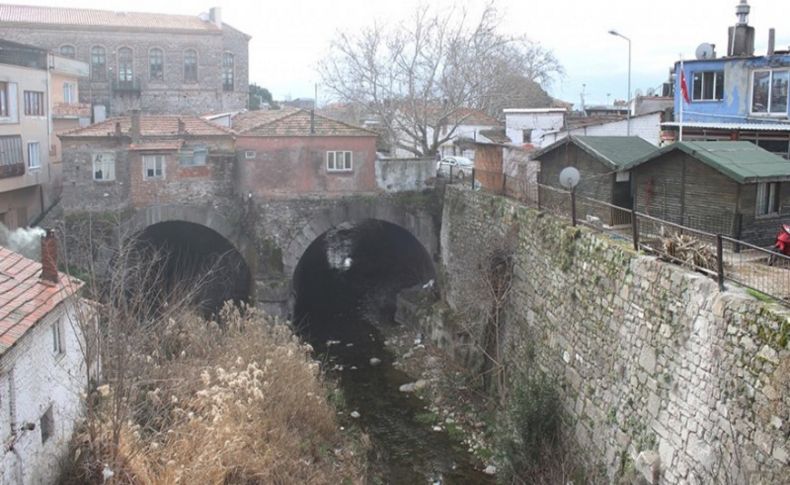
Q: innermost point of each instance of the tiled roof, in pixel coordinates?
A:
(468, 116)
(496, 135)
(81, 17)
(152, 125)
(742, 161)
(71, 110)
(24, 298)
(298, 123)
(251, 119)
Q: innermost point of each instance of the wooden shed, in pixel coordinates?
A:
(600, 161)
(728, 187)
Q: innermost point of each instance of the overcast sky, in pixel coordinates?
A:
(290, 36)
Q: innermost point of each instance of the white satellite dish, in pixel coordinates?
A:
(705, 51)
(569, 177)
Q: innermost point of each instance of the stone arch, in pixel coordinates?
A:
(418, 223)
(203, 216)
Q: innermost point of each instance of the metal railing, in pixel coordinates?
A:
(714, 252)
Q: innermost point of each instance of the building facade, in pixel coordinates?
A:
(42, 368)
(296, 152)
(143, 160)
(153, 62)
(741, 96)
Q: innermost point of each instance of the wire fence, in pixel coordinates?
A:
(703, 244)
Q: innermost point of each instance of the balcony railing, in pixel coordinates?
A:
(126, 87)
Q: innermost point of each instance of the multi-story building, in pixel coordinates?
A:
(157, 63)
(28, 146)
(741, 96)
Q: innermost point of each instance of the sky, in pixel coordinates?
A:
(290, 37)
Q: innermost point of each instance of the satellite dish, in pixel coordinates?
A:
(569, 177)
(706, 51)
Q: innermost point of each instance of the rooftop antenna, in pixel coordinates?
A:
(581, 95)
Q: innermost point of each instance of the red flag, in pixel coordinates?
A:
(684, 90)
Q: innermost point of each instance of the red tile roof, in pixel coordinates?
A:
(82, 17)
(298, 123)
(151, 125)
(71, 110)
(252, 119)
(24, 298)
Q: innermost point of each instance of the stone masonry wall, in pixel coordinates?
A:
(664, 376)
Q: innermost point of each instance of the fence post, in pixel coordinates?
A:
(473, 179)
(738, 228)
(635, 230)
(720, 261)
(451, 174)
(504, 183)
(573, 207)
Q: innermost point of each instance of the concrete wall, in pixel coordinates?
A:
(39, 379)
(658, 369)
(539, 120)
(403, 174)
(290, 166)
(647, 126)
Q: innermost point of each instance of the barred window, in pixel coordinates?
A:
(34, 103)
(227, 72)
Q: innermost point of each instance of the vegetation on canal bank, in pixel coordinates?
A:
(239, 400)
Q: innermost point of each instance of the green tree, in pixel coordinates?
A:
(258, 96)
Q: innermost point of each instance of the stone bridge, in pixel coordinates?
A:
(272, 235)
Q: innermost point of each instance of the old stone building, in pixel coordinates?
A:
(157, 63)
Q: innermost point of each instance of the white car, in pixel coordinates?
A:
(461, 167)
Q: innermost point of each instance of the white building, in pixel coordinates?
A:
(523, 126)
(646, 126)
(42, 370)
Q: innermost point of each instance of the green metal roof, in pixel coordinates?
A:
(614, 151)
(742, 161)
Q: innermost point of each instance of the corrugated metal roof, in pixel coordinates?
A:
(730, 126)
(613, 151)
(742, 161)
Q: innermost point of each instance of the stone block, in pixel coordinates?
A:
(648, 464)
(647, 358)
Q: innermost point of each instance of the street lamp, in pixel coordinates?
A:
(628, 101)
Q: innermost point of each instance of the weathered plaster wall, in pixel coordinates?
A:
(399, 174)
(658, 369)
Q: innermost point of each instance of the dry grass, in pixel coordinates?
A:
(236, 402)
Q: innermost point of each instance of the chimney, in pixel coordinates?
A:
(49, 257)
(135, 129)
(182, 127)
(771, 41)
(215, 16)
(740, 38)
(312, 122)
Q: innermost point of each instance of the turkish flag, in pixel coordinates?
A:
(684, 87)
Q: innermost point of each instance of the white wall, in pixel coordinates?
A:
(539, 121)
(36, 377)
(645, 126)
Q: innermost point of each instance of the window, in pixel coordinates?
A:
(250, 154)
(156, 64)
(768, 198)
(338, 161)
(196, 157)
(69, 93)
(68, 51)
(708, 86)
(153, 166)
(34, 103)
(769, 92)
(33, 155)
(104, 166)
(526, 136)
(227, 71)
(190, 66)
(98, 64)
(125, 65)
(57, 337)
(5, 99)
(11, 150)
(47, 424)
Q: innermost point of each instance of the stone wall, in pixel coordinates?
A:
(660, 371)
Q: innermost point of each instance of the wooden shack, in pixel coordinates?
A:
(600, 161)
(733, 188)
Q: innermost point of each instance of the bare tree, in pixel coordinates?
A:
(421, 76)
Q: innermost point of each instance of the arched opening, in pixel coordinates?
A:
(349, 278)
(195, 261)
